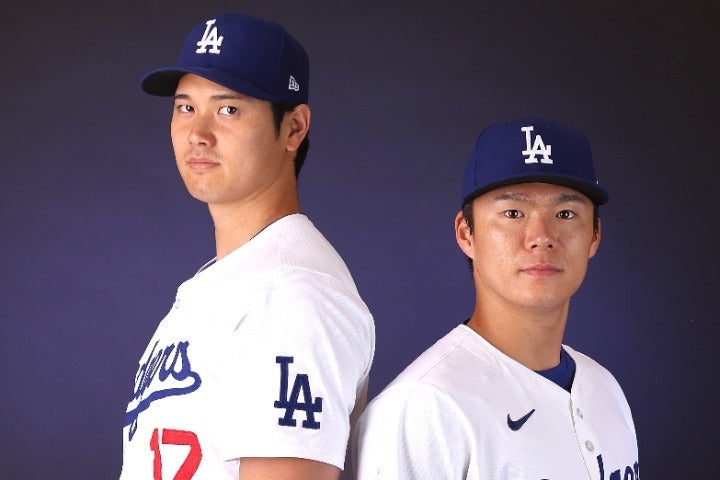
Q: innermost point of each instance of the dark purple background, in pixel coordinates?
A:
(97, 230)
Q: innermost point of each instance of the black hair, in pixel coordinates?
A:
(279, 109)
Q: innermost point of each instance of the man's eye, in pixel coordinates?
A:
(228, 110)
(513, 213)
(566, 214)
(184, 108)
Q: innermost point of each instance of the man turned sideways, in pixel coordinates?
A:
(500, 396)
(256, 370)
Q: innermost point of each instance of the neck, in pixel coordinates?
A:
(235, 225)
(531, 337)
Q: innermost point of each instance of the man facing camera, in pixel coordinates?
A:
(500, 396)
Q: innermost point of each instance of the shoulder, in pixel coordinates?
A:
(288, 245)
(289, 271)
(436, 380)
(416, 414)
(301, 246)
(451, 361)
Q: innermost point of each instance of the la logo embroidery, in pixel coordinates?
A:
(291, 403)
(293, 85)
(210, 37)
(536, 148)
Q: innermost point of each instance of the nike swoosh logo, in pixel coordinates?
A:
(516, 425)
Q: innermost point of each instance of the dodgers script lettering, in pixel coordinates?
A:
(166, 372)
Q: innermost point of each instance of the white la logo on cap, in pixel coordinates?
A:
(536, 148)
(210, 37)
(293, 85)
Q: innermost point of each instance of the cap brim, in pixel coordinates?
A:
(163, 82)
(595, 193)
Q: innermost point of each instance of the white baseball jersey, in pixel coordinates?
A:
(464, 410)
(265, 353)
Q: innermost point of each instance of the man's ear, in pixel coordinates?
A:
(463, 235)
(298, 122)
(596, 239)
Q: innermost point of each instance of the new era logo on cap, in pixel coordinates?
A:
(250, 55)
(293, 84)
(531, 150)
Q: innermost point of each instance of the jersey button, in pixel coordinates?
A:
(579, 413)
(589, 445)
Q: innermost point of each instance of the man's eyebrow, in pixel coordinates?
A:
(216, 97)
(519, 197)
(570, 198)
(511, 196)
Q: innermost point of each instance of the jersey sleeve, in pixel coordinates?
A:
(305, 353)
(411, 431)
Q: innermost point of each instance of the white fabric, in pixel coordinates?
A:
(286, 293)
(446, 417)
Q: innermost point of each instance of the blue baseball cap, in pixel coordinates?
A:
(528, 151)
(249, 55)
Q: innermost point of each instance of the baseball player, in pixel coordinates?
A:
(500, 396)
(256, 370)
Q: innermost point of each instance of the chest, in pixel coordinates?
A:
(531, 433)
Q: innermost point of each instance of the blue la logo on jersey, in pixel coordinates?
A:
(301, 385)
(166, 372)
(629, 473)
